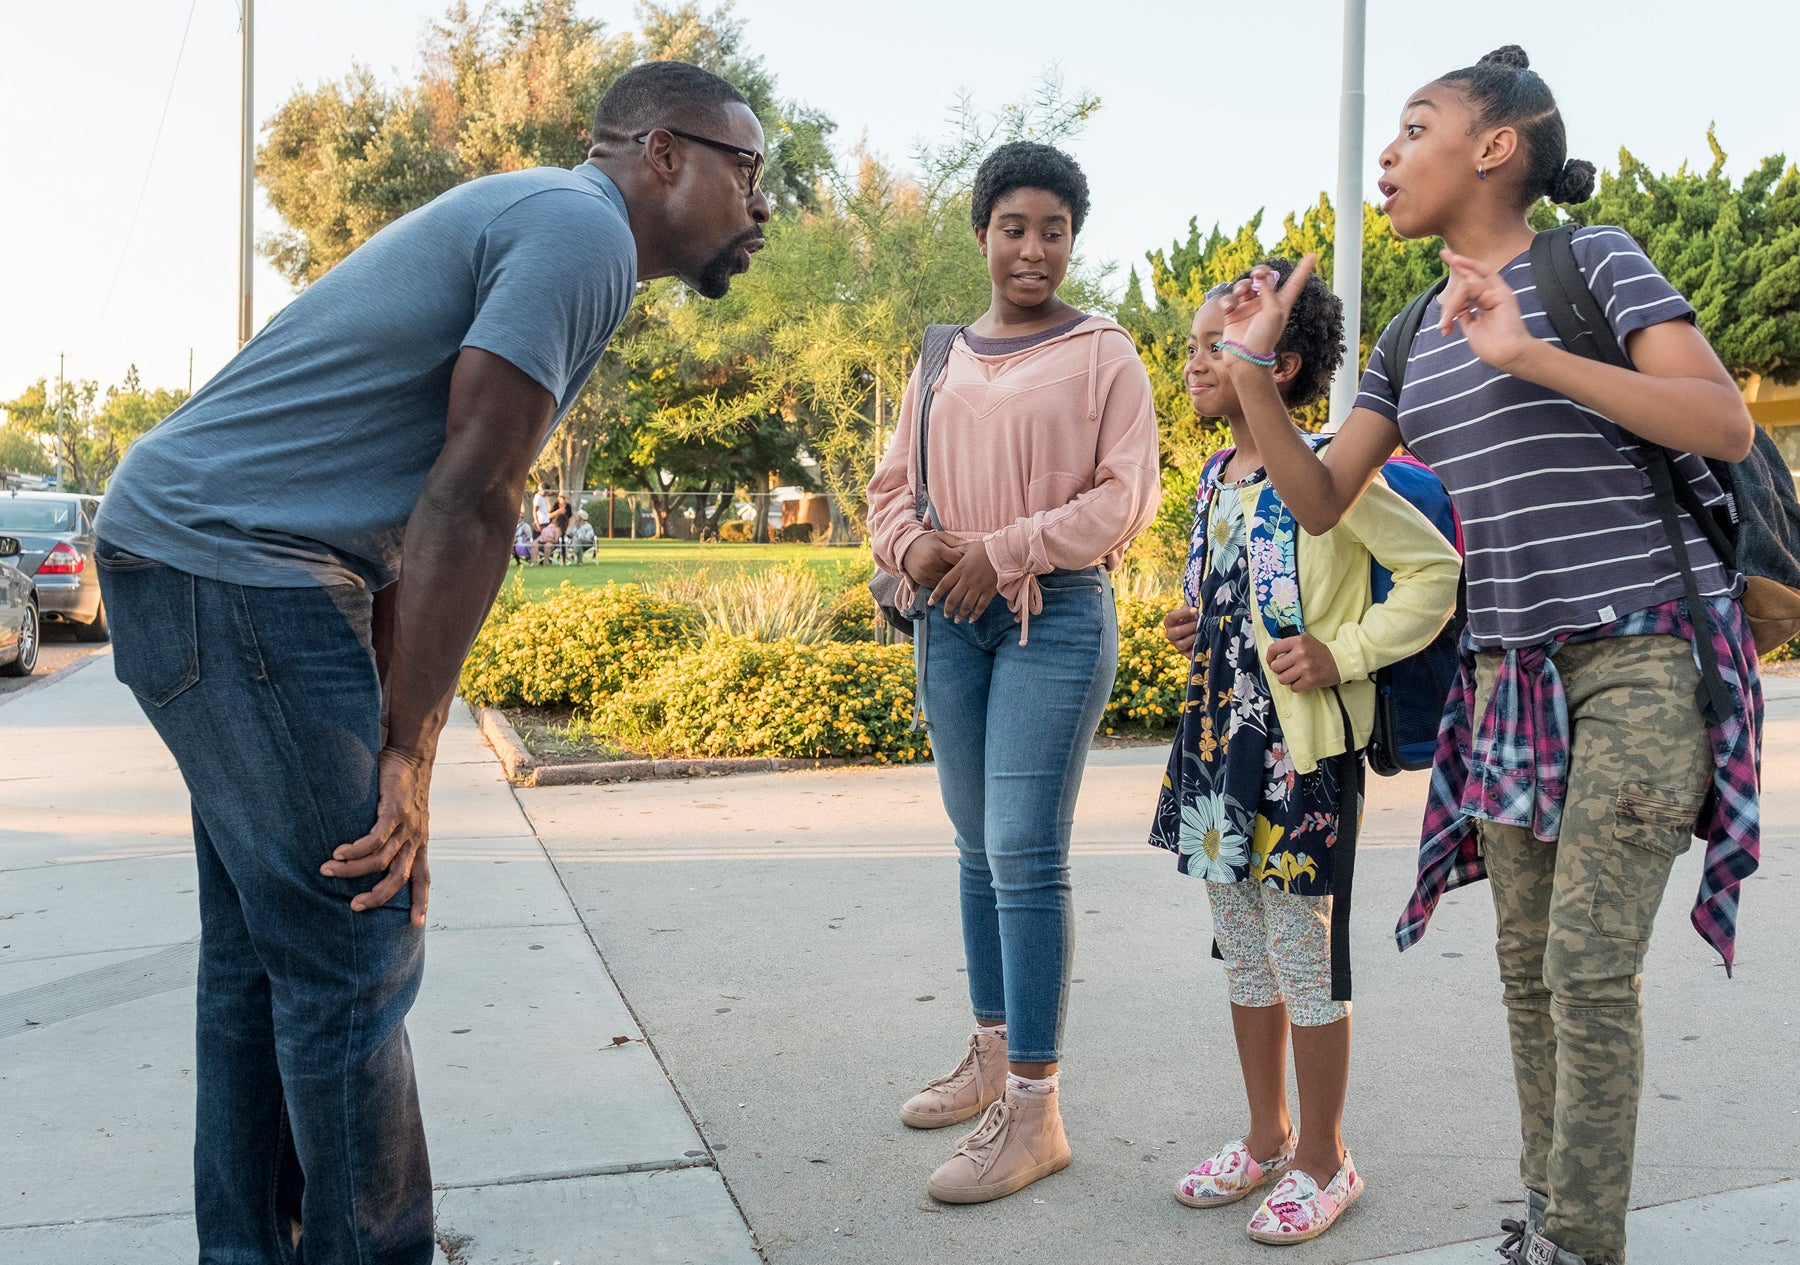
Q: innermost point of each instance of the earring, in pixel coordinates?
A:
(1481, 173)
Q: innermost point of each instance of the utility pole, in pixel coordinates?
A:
(190, 371)
(60, 357)
(1347, 245)
(247, 189)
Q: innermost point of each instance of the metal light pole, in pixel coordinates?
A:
(1347, 246)
(247, 189)
(60, 421)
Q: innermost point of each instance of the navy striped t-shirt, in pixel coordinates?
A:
(1560, 523)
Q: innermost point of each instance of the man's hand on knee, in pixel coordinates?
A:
(396, 842)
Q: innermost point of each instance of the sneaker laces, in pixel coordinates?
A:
(988, 1135)
(1515, 1235)
(961, 1074)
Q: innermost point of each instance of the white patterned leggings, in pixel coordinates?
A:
(1277, 948)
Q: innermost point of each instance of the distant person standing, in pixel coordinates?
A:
(297, 645)
(540, 508)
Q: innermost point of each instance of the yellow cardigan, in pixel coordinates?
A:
(1334, 600)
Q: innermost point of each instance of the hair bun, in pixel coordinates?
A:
(1574, 183)
(1509, 55)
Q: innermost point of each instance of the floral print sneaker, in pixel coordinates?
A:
(1230, 1175)
(1297, 1210)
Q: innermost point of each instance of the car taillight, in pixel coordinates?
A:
(65, 559)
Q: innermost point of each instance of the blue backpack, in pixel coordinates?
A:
(1410, 695)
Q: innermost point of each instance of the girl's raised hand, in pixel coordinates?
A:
(1478, 298)
(1257, 308)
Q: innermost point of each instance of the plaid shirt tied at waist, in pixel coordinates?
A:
(1521, 748)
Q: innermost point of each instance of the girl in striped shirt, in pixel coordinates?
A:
(1575, 761)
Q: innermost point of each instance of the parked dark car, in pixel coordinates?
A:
(56, 530)
(18, 613)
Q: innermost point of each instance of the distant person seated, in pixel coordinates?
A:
(522, 539)
(547, 541)
(581, 537)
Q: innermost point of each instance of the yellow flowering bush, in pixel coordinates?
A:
(656, 675)
(575, 648)
(1153, 675)
(735, 696)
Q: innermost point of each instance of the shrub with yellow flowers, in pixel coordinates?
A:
(575, 648)
(662, 675)
(1152, 679)
(736, 696)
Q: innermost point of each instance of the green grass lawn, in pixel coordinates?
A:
(623, 561)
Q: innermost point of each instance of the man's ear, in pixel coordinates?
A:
(662, 157)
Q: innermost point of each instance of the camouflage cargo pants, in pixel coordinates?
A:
(1573, 921)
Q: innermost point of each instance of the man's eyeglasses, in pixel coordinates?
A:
(749, 157)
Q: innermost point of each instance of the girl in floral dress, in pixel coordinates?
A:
(1283, 639)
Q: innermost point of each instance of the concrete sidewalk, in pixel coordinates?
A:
(555, 1133)
(789, 944)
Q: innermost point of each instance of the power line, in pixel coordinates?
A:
(125, 248)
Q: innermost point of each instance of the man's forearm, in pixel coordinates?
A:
(455, 558)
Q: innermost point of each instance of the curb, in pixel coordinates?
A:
(651, 770)
(504, 739)
(522, 768)
(49, 679)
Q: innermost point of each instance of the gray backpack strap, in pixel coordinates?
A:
(933, 356)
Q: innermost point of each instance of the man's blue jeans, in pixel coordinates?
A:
(1010, 731)
(270, 702)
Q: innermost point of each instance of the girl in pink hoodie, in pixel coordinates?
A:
(1042, 464)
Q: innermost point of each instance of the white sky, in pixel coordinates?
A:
(1209, 109)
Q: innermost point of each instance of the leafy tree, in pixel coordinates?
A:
(515, 88)
(501, 90)
(1734, 252)
(22, 454)
(828, 323)
(88, 429)
(1393, 271)
(645, 438)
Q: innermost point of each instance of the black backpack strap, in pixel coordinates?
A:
(1397, 339)
(1578, 320)
(1343, 853)
(1714, 698)
(933, 356)
(1573, 310)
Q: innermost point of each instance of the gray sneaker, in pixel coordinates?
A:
(1517, 1232)
(1532, 1248)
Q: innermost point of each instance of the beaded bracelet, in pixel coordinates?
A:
(1244, 353)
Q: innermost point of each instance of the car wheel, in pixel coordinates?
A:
(26, 663)
(96, 629)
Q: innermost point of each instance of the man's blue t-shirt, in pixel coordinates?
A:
(300, 462)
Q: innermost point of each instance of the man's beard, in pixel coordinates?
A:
(714, 277)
